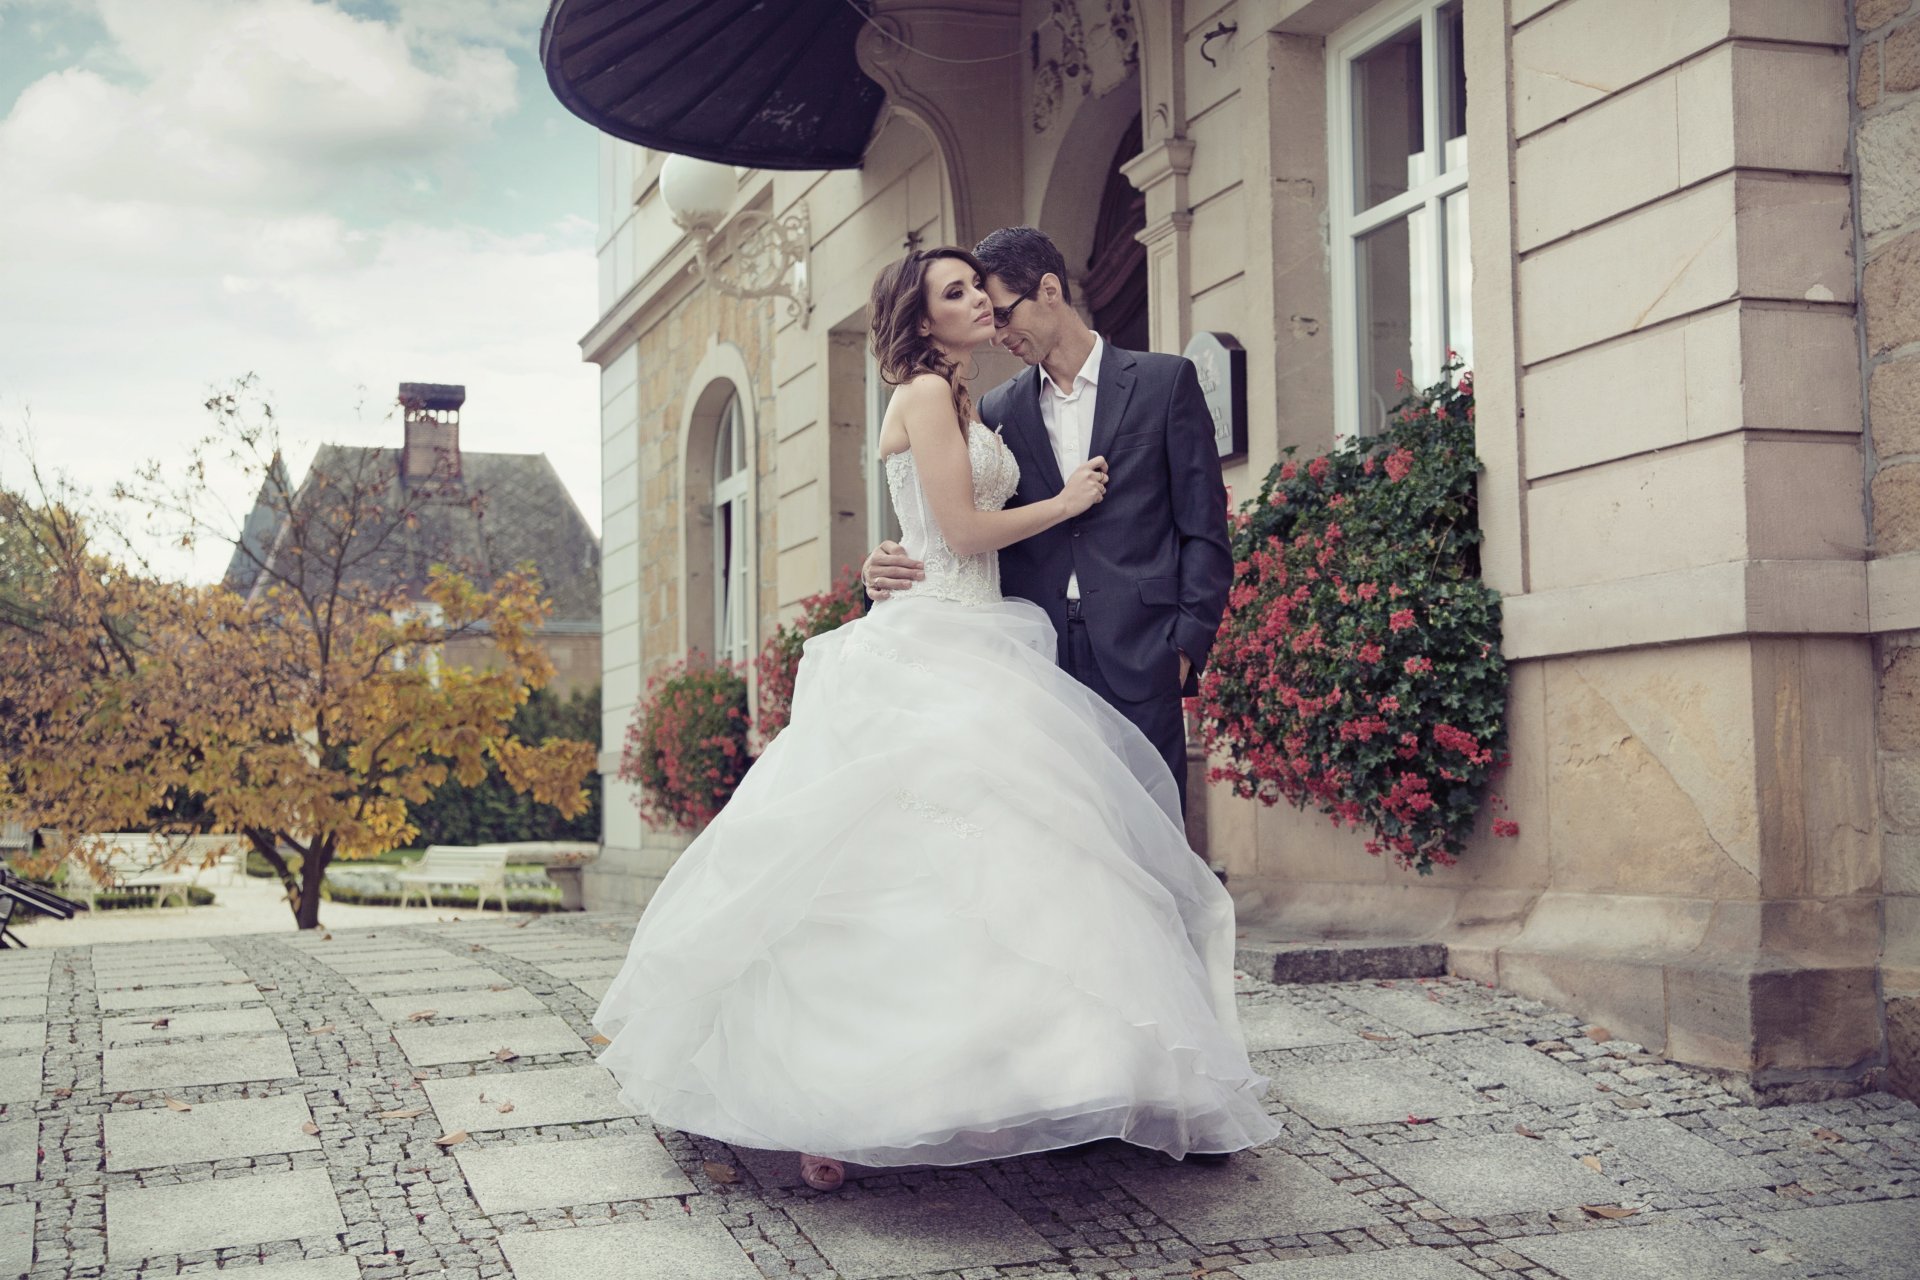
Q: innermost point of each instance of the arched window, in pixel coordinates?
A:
(732, 476)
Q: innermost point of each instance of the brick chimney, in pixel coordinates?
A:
(432, 449)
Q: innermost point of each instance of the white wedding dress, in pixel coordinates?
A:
(949, 915)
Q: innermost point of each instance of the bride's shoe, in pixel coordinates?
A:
(822, 1173)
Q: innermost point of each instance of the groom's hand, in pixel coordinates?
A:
(1186, 669)
(889, 569)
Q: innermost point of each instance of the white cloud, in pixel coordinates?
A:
(178, 214)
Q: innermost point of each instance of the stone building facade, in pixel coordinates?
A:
(1680, 258)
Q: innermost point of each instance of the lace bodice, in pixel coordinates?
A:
(951, 576)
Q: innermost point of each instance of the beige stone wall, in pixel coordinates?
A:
(1886, 66)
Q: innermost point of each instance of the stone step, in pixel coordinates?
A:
(1340, 961)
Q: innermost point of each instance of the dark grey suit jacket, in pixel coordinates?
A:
(1153, 558)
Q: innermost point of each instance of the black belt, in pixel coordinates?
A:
(1073, 609)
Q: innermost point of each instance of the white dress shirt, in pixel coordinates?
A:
(1069, 419)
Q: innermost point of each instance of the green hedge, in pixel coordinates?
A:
(523, 900)
(491, 812)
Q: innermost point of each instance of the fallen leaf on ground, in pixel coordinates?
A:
(314, 1031)
(501, 986)
(482, 1097)
(264, 987)
(1413, 1119)
(504, 1107)
(63, 1092)
(311, 1129)
(174, 1104)
(235, 982)
(404, 1113)
(1373, 1035)
(1593, 1163)
(597, 1038)
(524, 923)
(423, 1075)
(1608, 1210)
(450, 1139)
(421, 1015)
(1552, 1046)
(504, 1054)
(1827, 1135)
(326, 937)
(159, 1024)
(1599, 1035)
(1604, 1088)
(1524, 1132)
(1383, 983)
(720, 1172)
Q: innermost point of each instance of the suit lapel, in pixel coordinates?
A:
(1030, 443)
(1110, 404)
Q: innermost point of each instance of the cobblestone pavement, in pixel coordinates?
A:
(1436, 1130)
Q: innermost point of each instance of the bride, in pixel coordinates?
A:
(950, 914)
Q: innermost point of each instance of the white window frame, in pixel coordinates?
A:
(732, 607)
(1348, 226)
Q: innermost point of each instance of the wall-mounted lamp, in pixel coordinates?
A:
(757, 255)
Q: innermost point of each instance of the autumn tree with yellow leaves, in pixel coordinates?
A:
(301, 716)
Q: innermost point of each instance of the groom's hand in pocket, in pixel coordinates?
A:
(889, 569)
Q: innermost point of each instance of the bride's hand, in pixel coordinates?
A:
(1086, 486)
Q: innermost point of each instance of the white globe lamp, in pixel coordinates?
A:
(698, 193)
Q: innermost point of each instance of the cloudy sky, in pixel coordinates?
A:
(334, 195)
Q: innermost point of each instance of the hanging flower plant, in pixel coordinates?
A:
(1358, 668)
(779, 660)
(686, 748)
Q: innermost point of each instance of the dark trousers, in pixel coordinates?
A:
(1159, 717)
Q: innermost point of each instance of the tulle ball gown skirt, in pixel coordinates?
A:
(949, 915)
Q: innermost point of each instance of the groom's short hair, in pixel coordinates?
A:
(1020, 256)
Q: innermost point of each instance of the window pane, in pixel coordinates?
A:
(1386, 288)
(1453, 86)
(1459, 280)
(1387, 141)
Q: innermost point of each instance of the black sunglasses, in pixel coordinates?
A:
(1003, 316)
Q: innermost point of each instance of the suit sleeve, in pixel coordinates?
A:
(1199, 521)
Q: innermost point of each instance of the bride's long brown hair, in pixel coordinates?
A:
(898, 305)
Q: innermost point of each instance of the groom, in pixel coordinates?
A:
(1136, 586)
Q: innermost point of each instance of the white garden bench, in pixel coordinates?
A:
(134, 860)
(480, 865)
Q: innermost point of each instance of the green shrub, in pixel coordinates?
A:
(491, 811)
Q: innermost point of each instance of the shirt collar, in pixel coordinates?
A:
(1089, 372)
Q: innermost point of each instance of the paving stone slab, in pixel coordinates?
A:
(421, 961)
(575, 969)
(178, 997)
(1382, 1091)
(147, 1222)
(1684, 1159)
(429, 1046)
(458, 1004)
(559, 1175)
(190, 1022)
(16, 1239)
(1256, 1193)
(1380, 1264)
(1494, 1173)
(19, 1151)
(146, 979)
(20, 1077)
(24, 985)
(221, 1060)
(1683, 1251)
(381, 984)
(1528, 1072)
(1284, 1026)
(941, 1228)
(149, 1137)
(1878, 1238)
(23, 1007)
(22, 1037)
(1408, 1009)
(596, 988)
(549, 1095)
(335, 1268)
(119, 963)
(666, 1249)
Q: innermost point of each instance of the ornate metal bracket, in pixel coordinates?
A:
(1225, 29)
(760, 256)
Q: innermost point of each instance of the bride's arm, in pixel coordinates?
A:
(946, 474)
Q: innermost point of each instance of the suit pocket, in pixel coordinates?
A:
(1159, 591)
(1135, 440)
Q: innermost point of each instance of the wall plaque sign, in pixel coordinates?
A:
(1222, 364)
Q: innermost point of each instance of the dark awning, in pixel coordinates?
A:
(765, 84)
